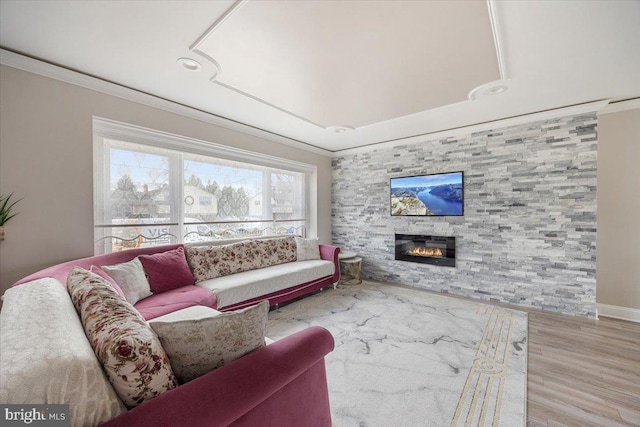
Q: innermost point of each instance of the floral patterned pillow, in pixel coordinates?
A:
(209, 262)
(200, 260)
(130, 352)
(277, 250)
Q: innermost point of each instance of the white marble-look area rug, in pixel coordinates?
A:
(405, 357)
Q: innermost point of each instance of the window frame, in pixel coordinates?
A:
(182, 146)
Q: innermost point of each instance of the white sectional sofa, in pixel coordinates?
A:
(243, 272)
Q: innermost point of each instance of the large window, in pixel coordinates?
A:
(152, 188)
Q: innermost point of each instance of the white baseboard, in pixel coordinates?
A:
(617, 312)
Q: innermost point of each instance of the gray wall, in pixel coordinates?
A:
(618, 265)
(46, 158)
(528, 234)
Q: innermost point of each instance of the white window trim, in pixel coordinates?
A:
(112, 129)
(120, 131)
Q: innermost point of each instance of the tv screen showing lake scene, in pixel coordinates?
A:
(438, 195)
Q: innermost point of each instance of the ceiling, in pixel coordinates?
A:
(337, 75)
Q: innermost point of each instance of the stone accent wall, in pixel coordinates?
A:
(528, 234)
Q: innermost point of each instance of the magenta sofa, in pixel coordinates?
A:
(282, 384)
(190, 295)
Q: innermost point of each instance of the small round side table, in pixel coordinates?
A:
(354, 267)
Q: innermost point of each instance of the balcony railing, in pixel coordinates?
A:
(145, 234)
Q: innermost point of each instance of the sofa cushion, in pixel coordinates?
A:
(167, 270)
(130, 352)
(208, 262)
(131, 278)
(197, 346)
(277, 250)
(175, 299)
(46, 358)
(307, 249)
(195, 312)
(255, 283)
(189, 313)
(100, 272)
(211, 261)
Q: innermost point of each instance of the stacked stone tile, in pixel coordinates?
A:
(528, 234)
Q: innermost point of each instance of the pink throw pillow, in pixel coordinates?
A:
(167, 270)
(100, 272)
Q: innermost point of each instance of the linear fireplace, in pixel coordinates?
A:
(435, 250)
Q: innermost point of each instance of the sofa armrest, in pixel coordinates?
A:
(222, 396)
(330, 253)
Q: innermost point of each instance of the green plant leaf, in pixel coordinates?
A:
(6, 208)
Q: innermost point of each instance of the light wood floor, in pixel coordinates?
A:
(583, 372)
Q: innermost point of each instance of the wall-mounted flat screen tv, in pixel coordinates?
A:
(440, 194)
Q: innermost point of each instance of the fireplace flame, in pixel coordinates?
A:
(426, 252)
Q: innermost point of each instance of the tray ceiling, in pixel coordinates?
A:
(305, 58)
(335, 75)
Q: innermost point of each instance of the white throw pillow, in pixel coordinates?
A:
(197, 346)
(131, 279)
(307, 249)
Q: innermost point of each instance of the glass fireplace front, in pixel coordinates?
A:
(435, 250)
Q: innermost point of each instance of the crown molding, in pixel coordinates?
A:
(25, 63)
(497, 38)
(45, 69)
(614, 107)
(590, 107)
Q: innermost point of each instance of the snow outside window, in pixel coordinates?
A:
(152, 188)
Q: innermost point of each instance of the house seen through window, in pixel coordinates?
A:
(147, 195)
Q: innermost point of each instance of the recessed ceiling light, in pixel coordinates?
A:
(489, 89)
(189, 64)
(496, 90)
(339, 129)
